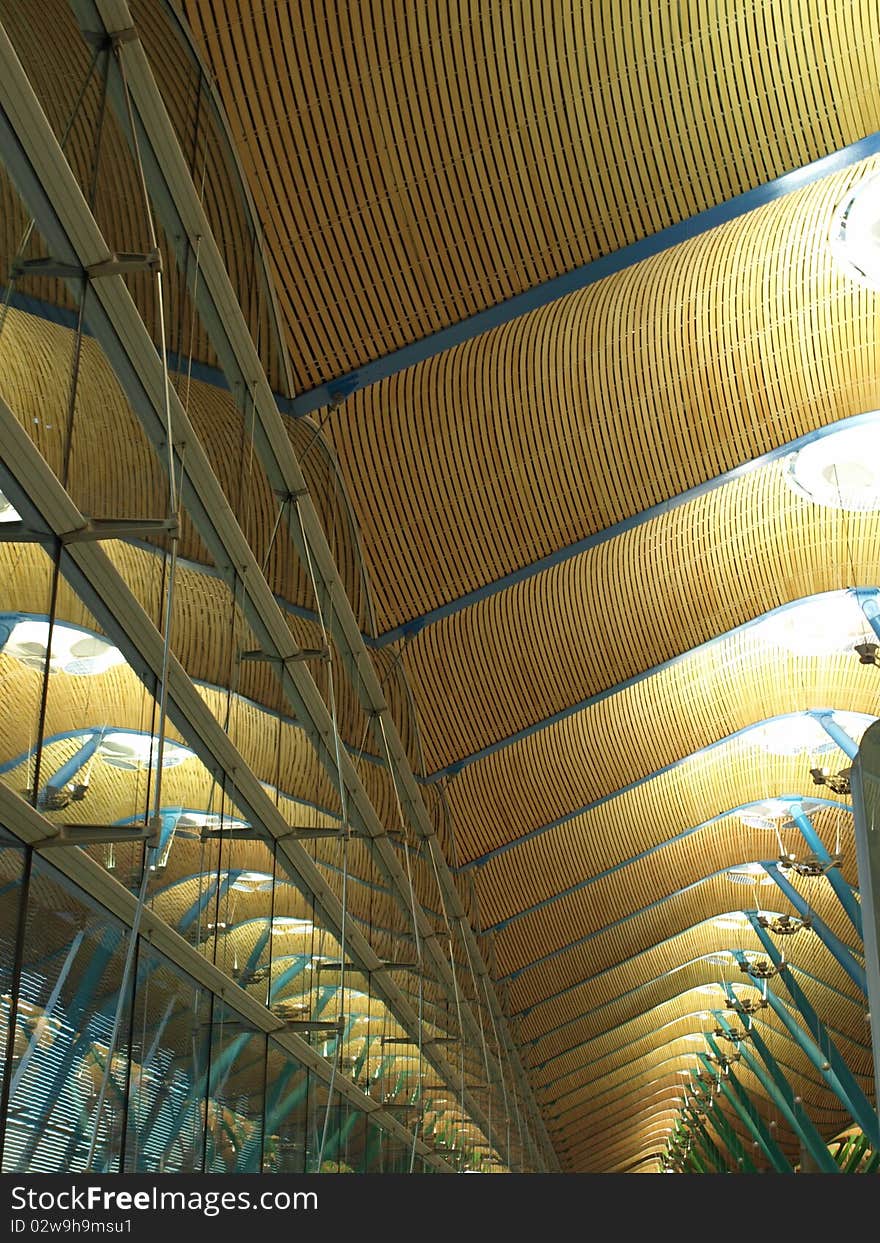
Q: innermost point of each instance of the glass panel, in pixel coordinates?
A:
(12, 865)
(170, 1051)
(287, 1100)
(67, 1100)
(236, 1094)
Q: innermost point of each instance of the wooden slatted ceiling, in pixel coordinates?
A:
(623, 943)
(591, 1007)
(680, 580)
(588, 757)
(57, 60)
(694, 792)
(35, 379)
(412, 167)
(563, 1069)
(607, 402)
(641, 884)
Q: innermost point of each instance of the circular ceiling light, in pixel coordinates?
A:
(7, 513)
(840, 470)
(821, 626)
(75, 652)
(855, 234)
(138, 752)
(286, 925)
(790, 735)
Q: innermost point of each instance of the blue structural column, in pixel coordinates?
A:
(825, 1056)
(748, 1115)
(842, 953)
(837, 733)
(701, 1138)
(846, 896)
(780, 1093)
(725, 1132)
(865, 784)
(71, 767)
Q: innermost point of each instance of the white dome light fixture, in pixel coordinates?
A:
(139, 752)
(855, 234)
(75, 652)
(840, 470)
(824, 625)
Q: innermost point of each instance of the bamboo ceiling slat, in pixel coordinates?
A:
(705, 785)
(720, 560)
(433, 162)
(448, 504)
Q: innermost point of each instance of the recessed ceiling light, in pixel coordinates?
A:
(840, 470)
(855, 234)
(7, 513)
(75, 652)
(820, 626)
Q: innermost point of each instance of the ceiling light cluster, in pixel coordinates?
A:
(784, 925)
(855, 233)
(74, 651)
(810, 866)
(840, 470)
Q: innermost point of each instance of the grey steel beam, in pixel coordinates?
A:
(32, 485)
(29, 826)
(865, 781)
(177, 201)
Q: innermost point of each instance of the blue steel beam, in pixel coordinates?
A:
(216, 890)
(68, 770)
(738, 1098)
(711, 1151)
(824, 1055)
(836, 732)
(834, 944)
(780, 1093)
(340, 387)
(517, 842)
(726, 1133)
(835, 877)
(570, 988)
(842, 953)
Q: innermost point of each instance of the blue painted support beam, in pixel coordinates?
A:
(725, 1131)
(701, 1137)
(337, 389)
(827, 1048)
(845, 895)
(865, 783)
(216, 890)
(780, 1093)
(254, 957)
(870, 606)
(737, 1097)
(837, 733)
(824, 1055)
(71, 767)
(842, 953)
(296, 967)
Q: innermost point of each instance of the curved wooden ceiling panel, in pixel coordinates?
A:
(607, 402)
(437, 162)
(618, 610)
